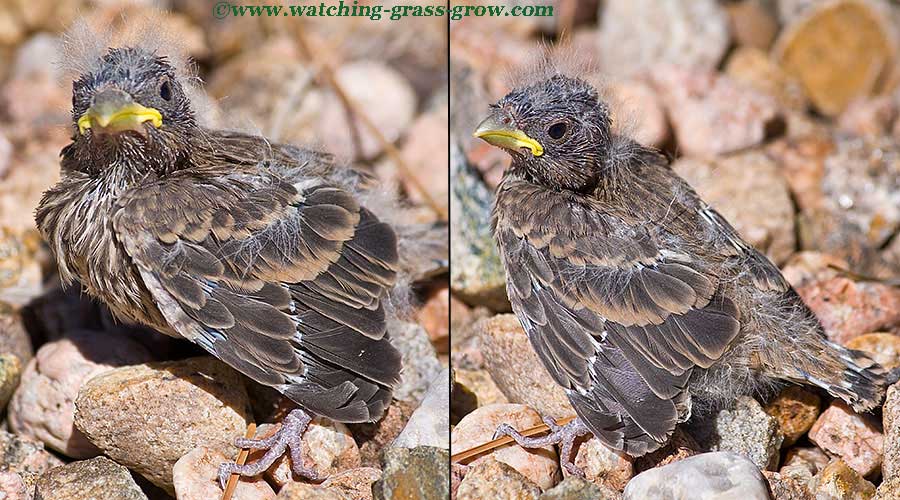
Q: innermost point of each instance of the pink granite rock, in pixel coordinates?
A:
(195, 478)
(848, 309)
(43, 407)
(713, 114)
(538, 465)
(858, 442)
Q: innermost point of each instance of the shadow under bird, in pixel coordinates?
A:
(261, 253)
(639, 298)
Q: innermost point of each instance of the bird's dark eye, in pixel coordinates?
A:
(165, 90)
(558, 130)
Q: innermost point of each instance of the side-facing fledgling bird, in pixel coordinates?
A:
(267, 255)
(639, 298)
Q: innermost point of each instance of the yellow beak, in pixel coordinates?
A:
(114, 111)
(493, 131)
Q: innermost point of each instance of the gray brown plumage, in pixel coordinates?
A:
(640, 299)
(261, 253)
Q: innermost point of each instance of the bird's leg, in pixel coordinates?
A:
(562, 435)
(287, 438)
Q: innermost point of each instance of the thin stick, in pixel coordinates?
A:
(327, 74)
(501, 441)
(241, 459)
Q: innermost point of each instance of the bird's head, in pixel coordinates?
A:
(557, 132)
(130, 109)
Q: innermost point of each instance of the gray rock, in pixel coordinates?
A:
(420, 361)
(708, 476)
(744, 428)
(575, 488)
(476, 274)
(493, 479)
(429, 425)
(95, 479)
(422, 472)
(693, 34)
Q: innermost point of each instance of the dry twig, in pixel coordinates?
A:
(241, 459)
(326, 74)
(501, 441)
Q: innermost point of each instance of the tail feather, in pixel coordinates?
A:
(860, 382)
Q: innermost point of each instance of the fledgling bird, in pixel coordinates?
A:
(262, 253)
(639, 298)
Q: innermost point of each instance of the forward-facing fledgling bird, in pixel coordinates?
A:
(639, 298)
(264, 254)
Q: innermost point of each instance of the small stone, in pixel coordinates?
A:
(148, 416)
(426, 154)
(304, 491)
(889, 489)
(539, 465)
(87, 479)
(804, 462)
(749, 190)
(473, 389)
(494, 479)
(354, 483)
(377, 90)
(870, 116)
(422, 472)
(20, 271)
(429, 425)
(848, 309)
(838, 481)
(891, 419)
(476, 274)
(744, 428)
(849, 436)
(195, 477)
(639, 113)
(420, 362)
(602, 465)
(844, 213)
(10, 371)
(12, 487)
(796, 410)
(804, 268)
(575, 488)
(787, 487)
(14, 338)
(25, 458)
(838, 50)
(43, 406)
(327, 446)
(375, 437)
(713, 114)
(883, 348)
(711, 476)
(434, 317)
(752, 24)
(754, 68)
(680, 446)
(691, 34)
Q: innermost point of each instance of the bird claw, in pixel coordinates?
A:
(562, 435)
(288, 438)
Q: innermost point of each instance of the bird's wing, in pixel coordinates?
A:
(617, 320)
(286, 286)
